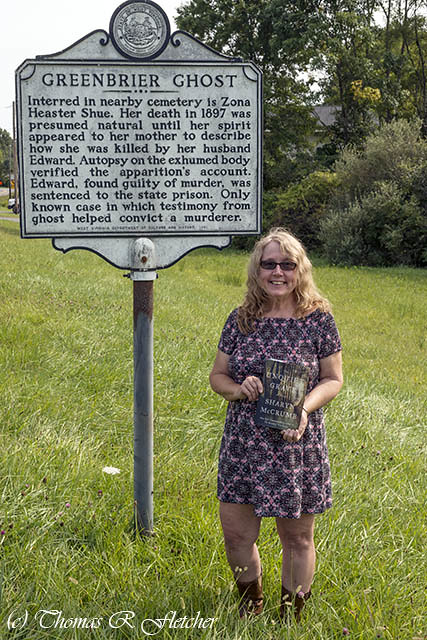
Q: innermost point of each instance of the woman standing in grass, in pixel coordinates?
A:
(264, 472)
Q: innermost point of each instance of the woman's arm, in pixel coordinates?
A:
(330, 382)
(222, 383)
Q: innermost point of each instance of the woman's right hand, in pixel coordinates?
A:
(250, 388)
(222, 383)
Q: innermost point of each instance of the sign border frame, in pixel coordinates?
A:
(233, 62)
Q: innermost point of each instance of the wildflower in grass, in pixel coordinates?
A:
(2, 532)
(345, 632)
(100, 492)
(67, 505)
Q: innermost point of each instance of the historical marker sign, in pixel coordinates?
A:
(139, 146)
(129, 148)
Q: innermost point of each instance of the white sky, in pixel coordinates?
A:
(37, 27)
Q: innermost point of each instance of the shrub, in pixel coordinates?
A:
(379, 214)
(389, 154)
(383, 227)
(301, 207)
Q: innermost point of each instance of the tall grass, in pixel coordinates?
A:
(66, 412)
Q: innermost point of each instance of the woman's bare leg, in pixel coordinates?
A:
(240, 527)
(299, 555)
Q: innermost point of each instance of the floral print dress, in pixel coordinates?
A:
(256, 466)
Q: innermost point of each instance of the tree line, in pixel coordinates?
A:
(367, 61)
(5, 156)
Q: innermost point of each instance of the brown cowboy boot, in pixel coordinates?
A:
(251, 598)
(288, 598)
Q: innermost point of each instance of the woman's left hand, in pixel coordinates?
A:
(293, 435)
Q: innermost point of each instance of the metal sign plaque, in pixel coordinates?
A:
(139, 146)
(118, 148)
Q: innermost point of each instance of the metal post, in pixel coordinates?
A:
(143, 398)
(16, 208)
(10, 171)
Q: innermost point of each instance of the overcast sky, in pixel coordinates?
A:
(35, 27)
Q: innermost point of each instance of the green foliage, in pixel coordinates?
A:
(346, 43)
(301, 207)
(381, 228)
(402, 49)
(365, 57)
(371, 56)
(277, 36)
(395, 152)
(378, 215)
(5, 144)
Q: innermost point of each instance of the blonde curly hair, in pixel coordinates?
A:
(257, 302)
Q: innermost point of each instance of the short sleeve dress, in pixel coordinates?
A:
(256, 466)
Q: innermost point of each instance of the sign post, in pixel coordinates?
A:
(143, 398)
(139, 146)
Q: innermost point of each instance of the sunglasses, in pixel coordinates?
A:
(270, 265)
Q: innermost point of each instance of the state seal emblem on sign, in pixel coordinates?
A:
(139, 29)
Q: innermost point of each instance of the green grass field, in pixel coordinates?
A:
(3, 203)
(67, 540)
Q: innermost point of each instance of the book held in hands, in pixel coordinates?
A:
(285, 385)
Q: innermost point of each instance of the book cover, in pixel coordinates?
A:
(285, 386)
